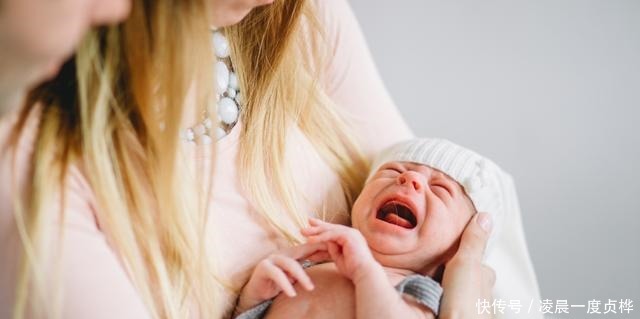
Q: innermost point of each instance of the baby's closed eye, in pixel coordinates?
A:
(441, 189)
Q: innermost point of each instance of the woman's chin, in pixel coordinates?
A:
(229, 19)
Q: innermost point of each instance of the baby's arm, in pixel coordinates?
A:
(375, 296)
(277, 273)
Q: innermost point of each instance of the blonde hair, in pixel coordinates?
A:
(279, 50)
(119, 121)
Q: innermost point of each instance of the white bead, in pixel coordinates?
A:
(233, 80)
(220, 45)
(207, 123)
(239, 98)
(199, 129)
(190, 135)
(220, 133)
(205, 140)
(228, 110)
(222, 76)
(231, 92)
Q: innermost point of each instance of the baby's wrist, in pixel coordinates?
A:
(245, 302)
(248, 298)
(369, 271)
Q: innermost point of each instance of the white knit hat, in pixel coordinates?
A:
(483, 181)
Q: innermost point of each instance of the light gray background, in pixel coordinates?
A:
(550, 89)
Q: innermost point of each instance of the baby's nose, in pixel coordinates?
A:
(412, 179)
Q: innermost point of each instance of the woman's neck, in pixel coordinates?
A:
(10, 95)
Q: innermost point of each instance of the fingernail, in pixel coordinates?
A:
(484, 220)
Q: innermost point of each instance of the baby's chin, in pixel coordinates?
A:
(395, 253)
(406, 261)
(402, 255)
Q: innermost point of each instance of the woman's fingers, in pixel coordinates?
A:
(465, 278)
(474, 238)
(489, 276)
(294, 270)
(278, 276)
(488, 281)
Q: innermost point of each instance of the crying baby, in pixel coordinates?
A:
(406, 225)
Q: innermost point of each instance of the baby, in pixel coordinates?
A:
(406, 225)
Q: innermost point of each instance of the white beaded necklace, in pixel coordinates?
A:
(228, 98)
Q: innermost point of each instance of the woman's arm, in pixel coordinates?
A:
(93, 282)
(351, 80)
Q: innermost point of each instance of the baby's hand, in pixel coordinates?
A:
(278, 273)
(347, 247)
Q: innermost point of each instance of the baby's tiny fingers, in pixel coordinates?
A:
(304, 250)
(280, 279)
(339, 236)
(295, 270)
(334, 250)
(318, 257)
(311, 230)
(315, 221)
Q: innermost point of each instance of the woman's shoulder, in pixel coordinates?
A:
(336, 22)
(351, 80)
(18, 139)
(333, 12)
(16, 148)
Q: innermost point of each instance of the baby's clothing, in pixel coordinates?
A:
(424, 291)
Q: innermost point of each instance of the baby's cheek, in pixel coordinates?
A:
(465, 211)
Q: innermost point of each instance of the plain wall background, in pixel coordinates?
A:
(549, 89)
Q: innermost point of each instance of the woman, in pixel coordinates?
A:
(37, 35)
(106, 212)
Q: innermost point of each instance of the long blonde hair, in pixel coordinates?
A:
(279, 50)
(115, 110)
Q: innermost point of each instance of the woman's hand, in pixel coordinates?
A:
(466, 280)
(347, 247)
(278, 273)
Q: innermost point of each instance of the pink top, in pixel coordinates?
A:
(94, 282)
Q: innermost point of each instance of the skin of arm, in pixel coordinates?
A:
(349, 250)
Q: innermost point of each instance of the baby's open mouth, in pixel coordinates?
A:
(397, 214)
